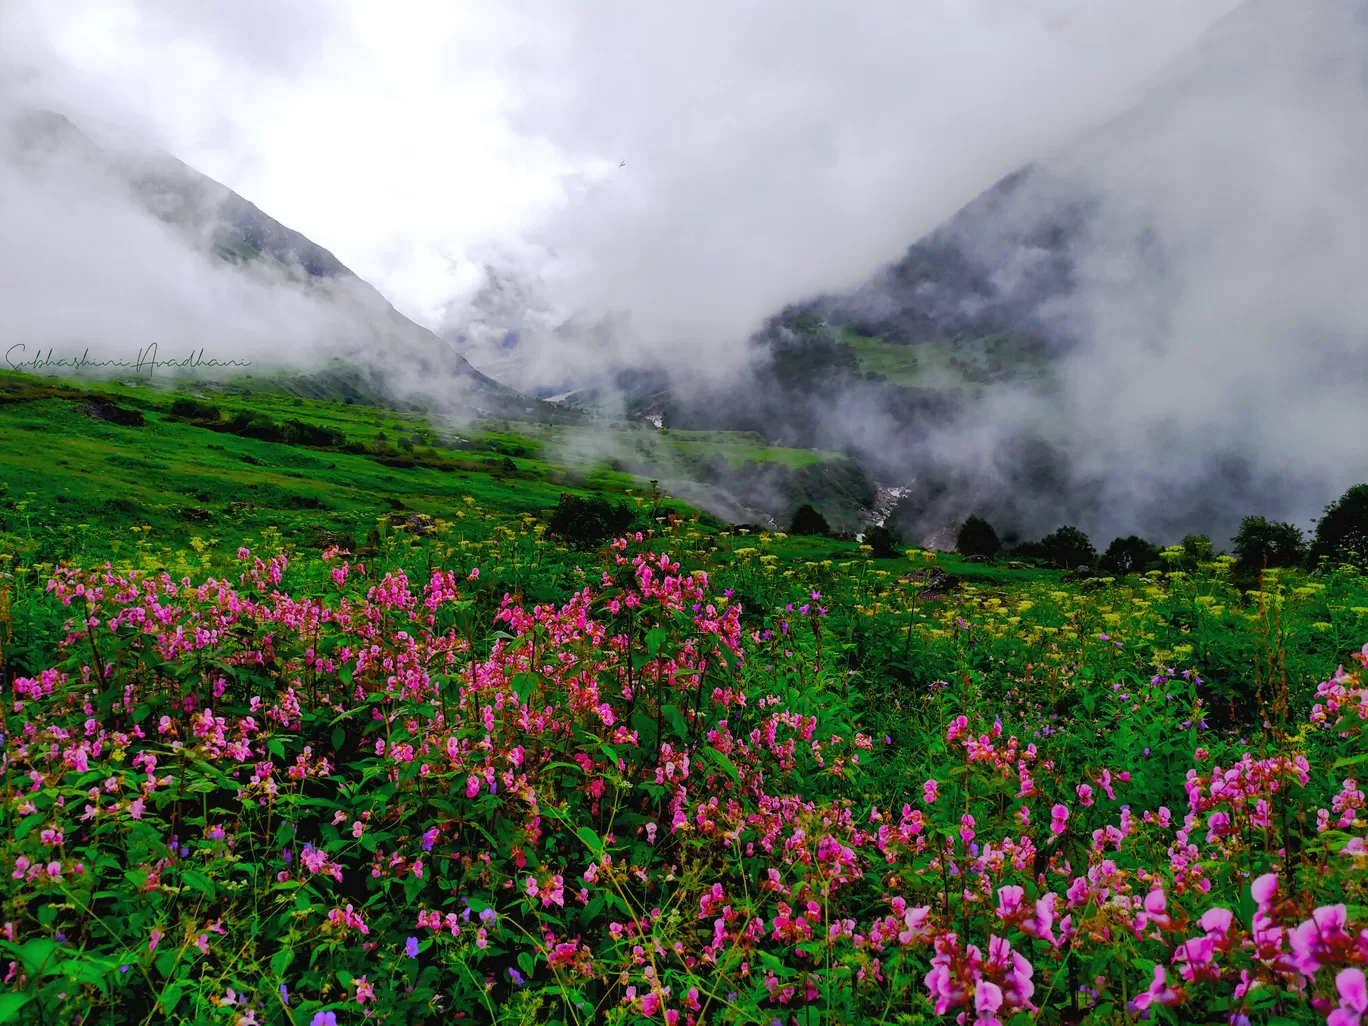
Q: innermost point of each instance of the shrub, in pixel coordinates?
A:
(1131, 555)
(1342, 531)
(882, 540)
(1262, 543)
(295, 432)
(247, 424)
(806, 520)
(584, 523)
(189, 409)
(976, 537)
(1068, 548)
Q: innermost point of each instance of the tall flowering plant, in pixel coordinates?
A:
(238, 801)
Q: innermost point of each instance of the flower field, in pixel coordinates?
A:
(692, 777)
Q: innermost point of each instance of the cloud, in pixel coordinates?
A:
(380, 133)
(85, 269)
(1217, 288)
(772, 148)
(1198, 254)
(777, 149)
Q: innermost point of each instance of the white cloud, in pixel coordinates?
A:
(772, 147)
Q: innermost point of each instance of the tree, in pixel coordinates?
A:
(882, 540)
(1131, 555)
(1198, 549)
(1068, 548)
(1343, 528)
(807, 520)
(1262, 543)
(976, 537)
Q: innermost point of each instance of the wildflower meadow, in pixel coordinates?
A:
(702, 779)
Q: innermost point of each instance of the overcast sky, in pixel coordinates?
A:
(771, 147)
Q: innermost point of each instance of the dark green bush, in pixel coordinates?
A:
(298, 433)
(976, 537)
(883, 540)
(192, 410)
(584, 523)
(806, 520)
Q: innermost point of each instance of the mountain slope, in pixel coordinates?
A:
(1138, 333)
(224, 226)
(1014, 258)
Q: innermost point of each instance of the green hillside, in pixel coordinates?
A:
(954, 364)
(220, 469)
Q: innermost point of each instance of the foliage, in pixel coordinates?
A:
(295, 787)
(583, 522)
(1342, 531)
(696, 775)
(976, 537)
(806, 520)
(1263, 543)
(1197, 549)
(882, 540)
(1131, 555)
(1068, 548)
(191, 409)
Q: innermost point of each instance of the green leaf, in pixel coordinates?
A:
(275, 747)
(197, 881)
(730, 767)
(27, 825)
(523, 684)
(1350, 760)
(590, 838)
(37, 956)
(88, 970)
(412, 886)
(644, 726)
(368, 842)
(280, 961)
(676, 721)
(171, 997)
(338, 736)
(11, 1003)
(655, 637)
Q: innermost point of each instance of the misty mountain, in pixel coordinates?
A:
(356, 323)
(1001, 264)
(1097, 306)
(1014, 258)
